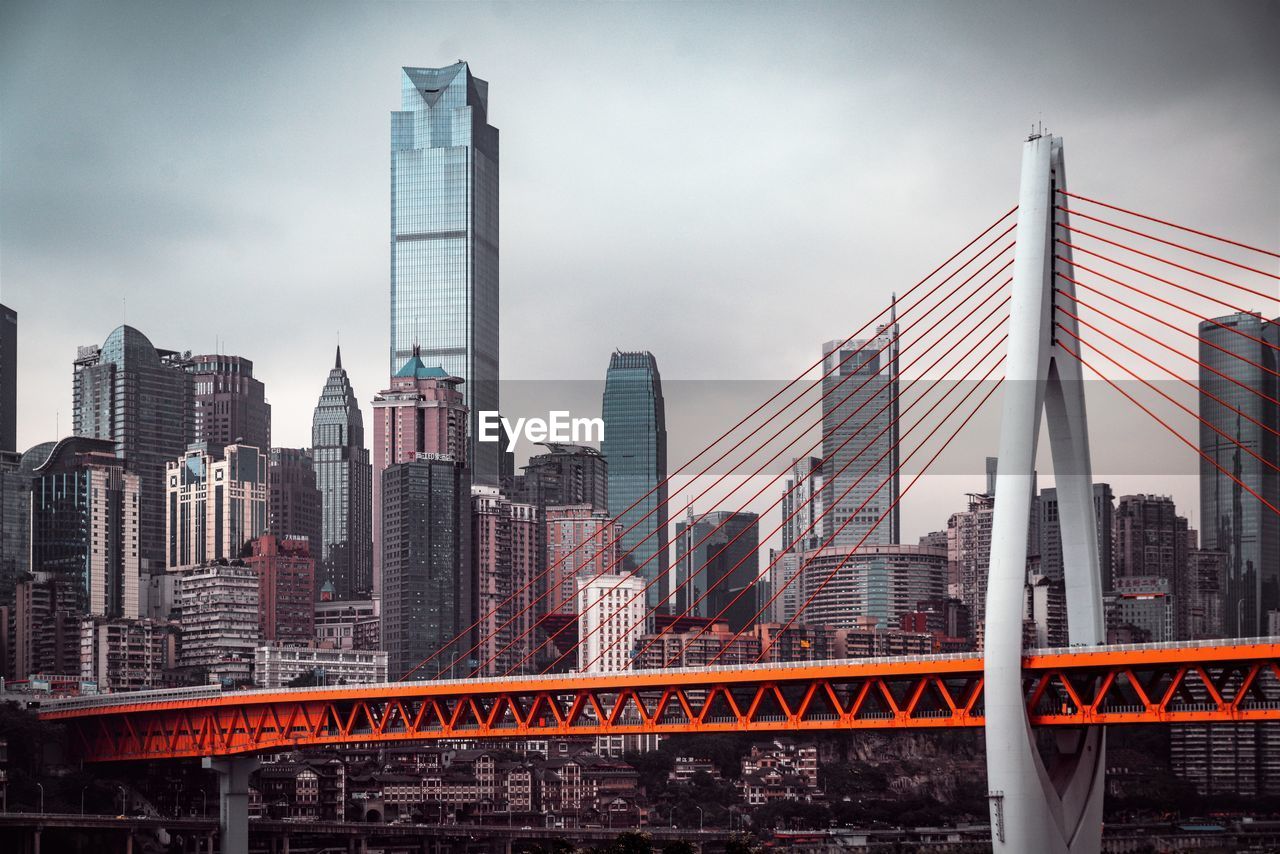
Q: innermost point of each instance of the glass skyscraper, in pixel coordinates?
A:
(345, 479)
(444, 238)
(861, 452)
(635, 446)
(1233, 520)
(139, 397)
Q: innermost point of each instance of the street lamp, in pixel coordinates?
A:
(40, 786)
(699, 809)
(120, 789)
(82, 789)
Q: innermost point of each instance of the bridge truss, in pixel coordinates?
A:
(1138, 684)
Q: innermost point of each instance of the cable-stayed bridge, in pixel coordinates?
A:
(1011, 311)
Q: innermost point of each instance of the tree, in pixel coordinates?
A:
(680, 846)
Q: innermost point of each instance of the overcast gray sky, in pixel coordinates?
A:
(727, 185)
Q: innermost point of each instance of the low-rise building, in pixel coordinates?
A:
(125, 655)
(276, 665)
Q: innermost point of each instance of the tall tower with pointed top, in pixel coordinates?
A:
(345, 479)
(444, 238)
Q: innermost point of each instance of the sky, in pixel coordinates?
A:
(728, 185)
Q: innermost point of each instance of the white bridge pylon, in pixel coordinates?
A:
(1053, 805)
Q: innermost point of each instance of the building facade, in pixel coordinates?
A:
(345, 480)
(230, 405)
(421, 413)
(217, 606)
(611, 618)
(802, 505)
(428, 592)
(85, 521)
(581, 542)
(286, 588)
(444, 238)
(8, 379)
(1051, 532)
(878, 582)
(349, 623)
(859, 441)
(125, 655)
(1240, 354)
(294, 501)
(565, 474)
(140, 398)
(217, 503)
(277, 664)
(718, 563)
(505, 537)
(635, 444)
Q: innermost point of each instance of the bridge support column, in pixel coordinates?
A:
(1053, 807)
(233, 800)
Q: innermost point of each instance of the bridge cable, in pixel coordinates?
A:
(1192, 445)
(896, 397)
(1163, 394)
(831, 575)
(760, 576)
(765, 444)
(744, 420)
(1167, 262)
(1171, 243)
(1170, 303)
(1172, 373)
(1170, 224)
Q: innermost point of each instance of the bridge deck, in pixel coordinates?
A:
(1218, 681)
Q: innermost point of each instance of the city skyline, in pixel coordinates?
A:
(856, 183)
(705, 191)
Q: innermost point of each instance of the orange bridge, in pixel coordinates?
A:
(1219, 681)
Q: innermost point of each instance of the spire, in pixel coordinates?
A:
(337, 360)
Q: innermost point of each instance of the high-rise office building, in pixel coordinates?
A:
(1201, 603)
(717, 565)
(444, 238)
(802, 505)
(230, 405)
(139, 397)
(1051, 532)
(580, 542)
(8, 379)
(217, 503)
(420, 414)
(635, 444)
(85, 516)
(345, 479)
(505, 550)
(16, 471)
(1240, 357)
(860, 436)
(286, 588)
(294, 500)
(565, 474)
(428, 593)
(1150, 540)
(874, 582)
